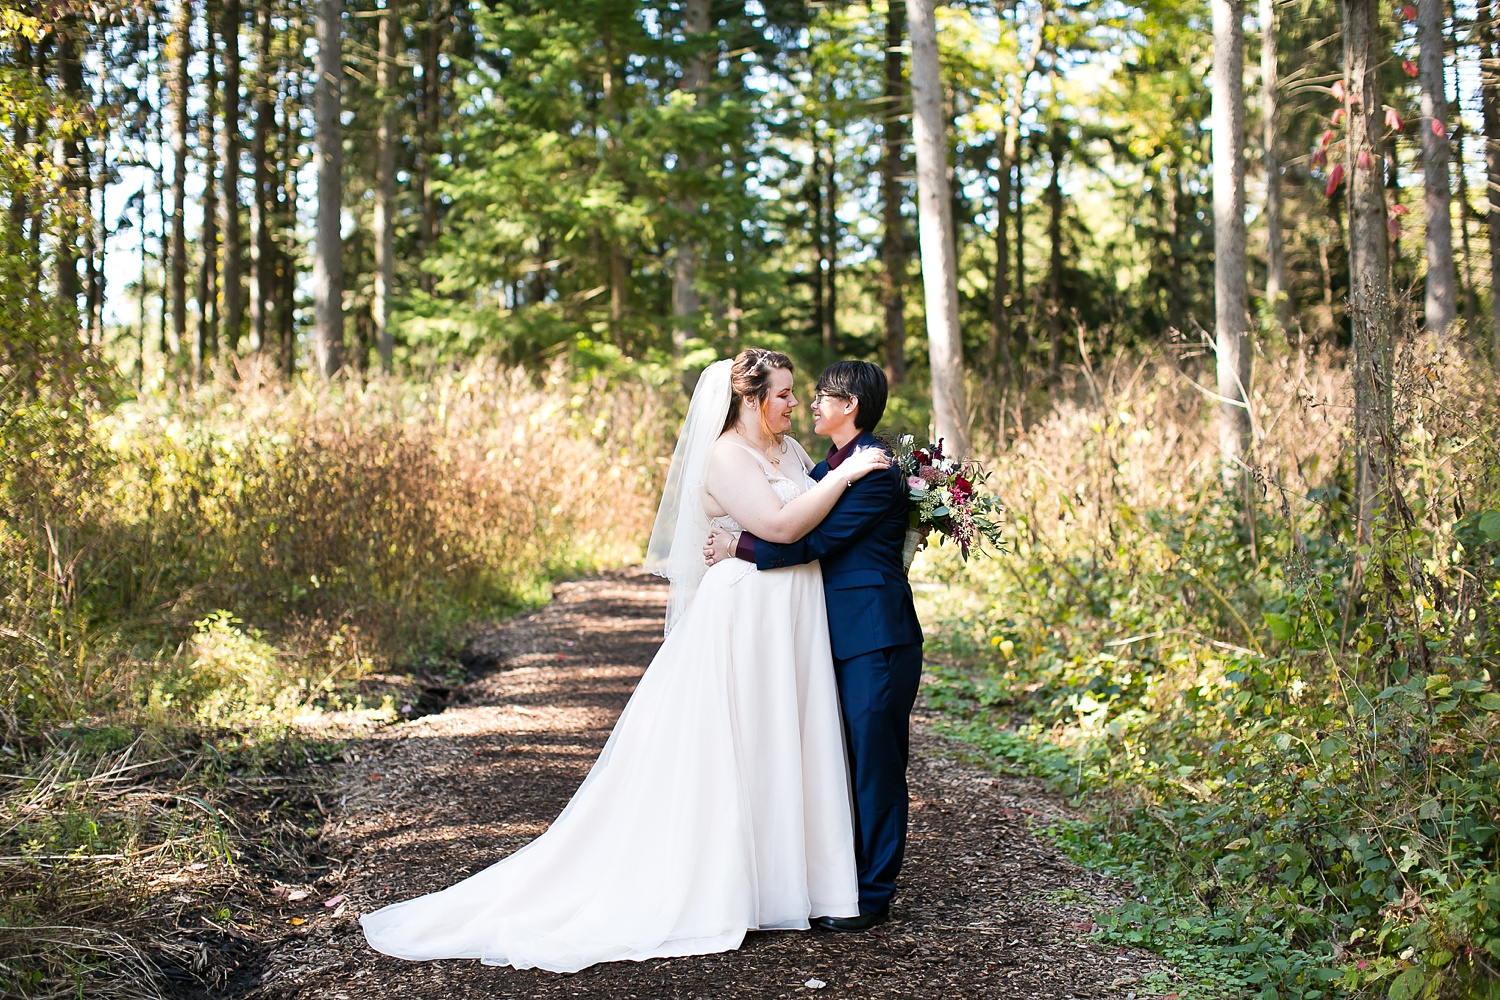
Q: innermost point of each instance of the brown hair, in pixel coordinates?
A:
(750, 378)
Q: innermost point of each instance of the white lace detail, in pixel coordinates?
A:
(785, 487)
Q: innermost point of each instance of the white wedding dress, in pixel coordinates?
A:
(720, 803)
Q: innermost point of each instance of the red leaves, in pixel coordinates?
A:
(1325, 139)
(1409, 67)
(1393, 226)
(1338, 116)
(1392, 120)
(1335, 178)
(1364, 160)
(1408, 13)
(1400, 209)
(1439, 129)
(1319, 157)
(1338, 91)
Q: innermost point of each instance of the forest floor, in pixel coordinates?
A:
(985, 907)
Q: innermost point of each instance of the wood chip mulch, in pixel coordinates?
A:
(985, 908)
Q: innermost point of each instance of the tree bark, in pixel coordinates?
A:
(1369, 266)
(432, 96)
(1441, 299)
(1231, 295)
(262, 266)
(893, 243)
(935, 233)
(1179, 209)
(1055, 239)
(208, 237)
(1490, 86)
(68, 157)
(1000, 289)
(182, 52)
(234, 251)
(385, 185)
(831, 257)
(685, 299)
(1279, 305)
(328, 266)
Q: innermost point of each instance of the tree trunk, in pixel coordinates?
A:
(1490, 85)
(685, 299)
(20, 206)
(1441, 299)
(831, 250)
(234, 251)
(1055, 239)
(1279, 305)
(1000, 289)
(182, 52)
(385, 185)
(1180, 207)
(208, 238)
(616, 263)
(820, 239)
(288, 167)
(893, 243)
(1466, 282)
(935, 233)
(328, 260)
(1023, 338)
(262, 264)
(432, 96)
(1231, 296)
(68, 161)
(1369, 274)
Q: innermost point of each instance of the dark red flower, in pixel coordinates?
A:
(961, 488)
(921, 457)
(937, 450)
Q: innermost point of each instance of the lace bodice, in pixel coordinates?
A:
(787, 483)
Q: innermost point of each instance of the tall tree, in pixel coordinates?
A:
(181, 52)
(208, 239)
(385, 183)
(1441, 298)
(685, 300)
(1000, 290)
(234, 251)
(935, 232)
(1270, 78)
(1056, 151)
(69, 161)
(328, 260)
(1490, 88)
(1231, 295)
(262, 267)
(893, 238)
(1369, 262)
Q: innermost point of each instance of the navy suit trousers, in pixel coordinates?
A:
(877, 690)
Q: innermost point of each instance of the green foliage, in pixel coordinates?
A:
(1291, 744)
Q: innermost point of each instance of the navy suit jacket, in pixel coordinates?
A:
(859, 547)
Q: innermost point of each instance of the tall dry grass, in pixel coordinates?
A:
(1288, 733)
(330, 527)
(182, 574)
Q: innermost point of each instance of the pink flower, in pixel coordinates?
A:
(916, 482)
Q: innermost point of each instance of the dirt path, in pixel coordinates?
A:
(984, 910)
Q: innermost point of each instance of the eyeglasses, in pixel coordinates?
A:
(819, 398)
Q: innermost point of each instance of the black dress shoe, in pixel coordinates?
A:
(850, 925)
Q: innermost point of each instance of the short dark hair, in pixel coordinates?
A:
(861, 381)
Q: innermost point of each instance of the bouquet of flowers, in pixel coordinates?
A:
(946, 497)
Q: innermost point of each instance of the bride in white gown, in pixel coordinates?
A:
(720, 803)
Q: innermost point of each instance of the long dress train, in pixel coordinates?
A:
(719, 804)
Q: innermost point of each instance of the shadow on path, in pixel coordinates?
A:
(985, 909)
